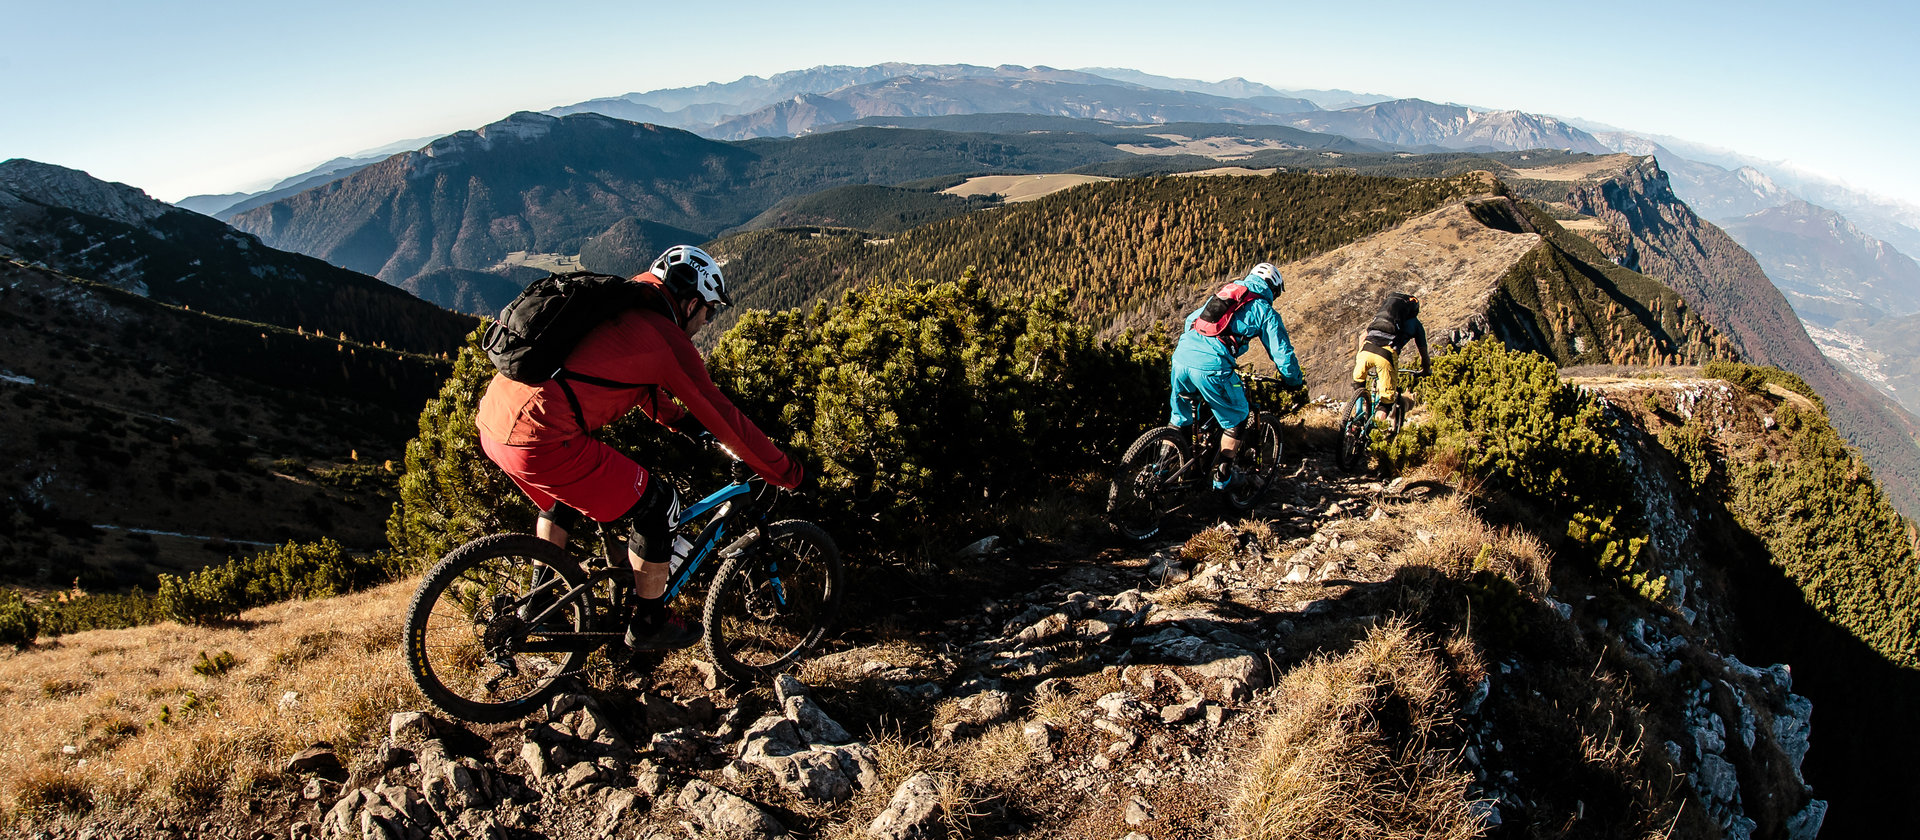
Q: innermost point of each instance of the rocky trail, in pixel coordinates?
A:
(1110, 689)
(1120, 692)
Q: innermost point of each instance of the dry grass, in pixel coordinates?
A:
(969, 773)
(1350, 750)
(1217, 544)
(121, 719)
(1458, 542)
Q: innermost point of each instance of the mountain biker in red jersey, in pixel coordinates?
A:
(644, 359)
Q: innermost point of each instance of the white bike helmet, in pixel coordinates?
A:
(687, 272)
(1271, 274)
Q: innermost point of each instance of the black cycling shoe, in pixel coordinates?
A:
(673, 633)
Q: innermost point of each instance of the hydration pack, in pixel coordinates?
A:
(537, 331)
(1219, 311)
(1390, 324)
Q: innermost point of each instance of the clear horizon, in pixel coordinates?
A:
(219, 97)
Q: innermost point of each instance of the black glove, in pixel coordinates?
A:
(690, 426)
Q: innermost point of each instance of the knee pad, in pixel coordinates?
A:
(1241, 431)
(647, 520)
(563, 517)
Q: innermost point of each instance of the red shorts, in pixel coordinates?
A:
(582, 473)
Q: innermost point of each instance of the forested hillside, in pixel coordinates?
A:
(116, 235)
(126, 416)
(535, 185)
(1111, 248)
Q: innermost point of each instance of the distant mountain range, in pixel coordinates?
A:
(222, 206)
(513, 197)
(1242, 118)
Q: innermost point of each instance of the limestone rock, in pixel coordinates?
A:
(798, 703)
(913, 813)
(716, 812)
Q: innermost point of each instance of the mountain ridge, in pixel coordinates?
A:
(116, 235)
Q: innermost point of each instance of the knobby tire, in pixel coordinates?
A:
(1144, 489)
(750, 633)
(461, 610)
(1356, 437)
(1260, 466)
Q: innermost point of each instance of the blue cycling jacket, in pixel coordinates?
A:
(1256, 319)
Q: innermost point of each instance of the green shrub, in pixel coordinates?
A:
(284, 572)
(19, 619)
(923, 405)
(449, 492)
(1828, 525)
(213, 666)
(1505, 417)
(1756, 378)
(96, 611)
(916, 408)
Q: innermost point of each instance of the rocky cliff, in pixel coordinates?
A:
(1646, 228)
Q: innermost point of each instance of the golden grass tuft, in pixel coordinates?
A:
(1460, 543)
(1211, 545)
(124, 719)
(1349, 750)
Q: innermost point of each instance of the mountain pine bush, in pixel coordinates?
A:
(282, 573)
(1504, 416)
(450, 493)
(924, 404)
(1823, 518)
(19, 622)
(917, 407)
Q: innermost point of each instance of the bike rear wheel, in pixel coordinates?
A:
(772, 601)
(1259, 463)
(467, 630)
(1148, 484)
(1356, 436)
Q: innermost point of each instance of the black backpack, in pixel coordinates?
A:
(535, 332)
(1391, 322)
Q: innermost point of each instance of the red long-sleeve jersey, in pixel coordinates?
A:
(645, 348)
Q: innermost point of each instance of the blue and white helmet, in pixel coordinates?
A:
(687, 272)
(1269, 273)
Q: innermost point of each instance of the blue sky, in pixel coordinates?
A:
(200, 97)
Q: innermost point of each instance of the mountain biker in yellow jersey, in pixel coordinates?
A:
(640, 358)
(1217, 334)
(1397, 323)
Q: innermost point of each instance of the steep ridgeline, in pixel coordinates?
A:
(1644, 227)
(116, 235)
(215, 435)
(510, 199)
(1135, 253)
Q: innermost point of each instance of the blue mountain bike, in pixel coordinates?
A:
(1354, 451)
(499, 622)
(1167, 467)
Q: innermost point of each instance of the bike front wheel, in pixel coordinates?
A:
(1259, 461)
(1356, 436)
(476, 633)
(1148, 484)
(772, 601)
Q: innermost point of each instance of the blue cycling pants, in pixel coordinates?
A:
(1221, 389)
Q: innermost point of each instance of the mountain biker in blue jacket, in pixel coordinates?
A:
(1217, 334)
